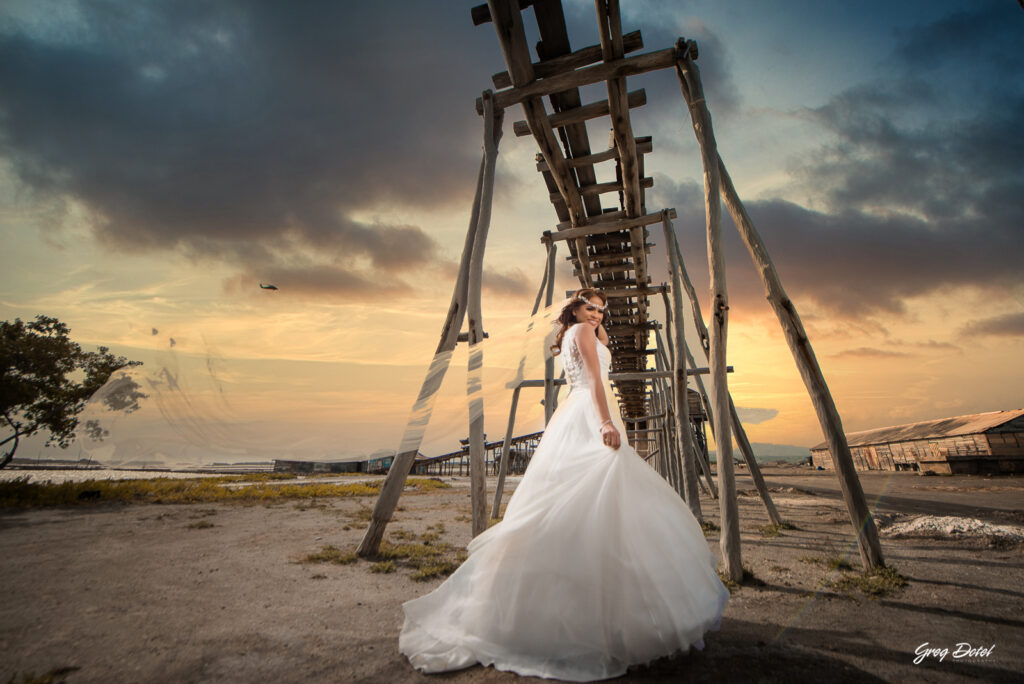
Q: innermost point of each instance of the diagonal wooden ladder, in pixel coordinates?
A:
(608, 248)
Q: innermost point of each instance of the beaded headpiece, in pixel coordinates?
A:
(599, 307)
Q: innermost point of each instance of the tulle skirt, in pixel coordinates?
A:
(597, 564)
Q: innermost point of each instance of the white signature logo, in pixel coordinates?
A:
(962, 650)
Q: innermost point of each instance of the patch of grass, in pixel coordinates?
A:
(205, 513)
(834, 561)
(54, 676)
(748, 579)
(426, 484)
(709, 528)
(875, 583)
(318, 576)
(439, 568)
(201, 525)
(331, 554)
(383, 567)
(427, 559)
(779, 568)
(403, 535)
(773, 530)
(463, 518)
(20, 493)
(493, 521)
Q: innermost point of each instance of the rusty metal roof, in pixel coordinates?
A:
(930, 429)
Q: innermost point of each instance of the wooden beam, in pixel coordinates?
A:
(625, 223)
(628, 66)
(481, 14)
(631, 42)
(604, 188)
(643, 146)
(609, 23)
(637, 98)
(597, 227)
(689, 78)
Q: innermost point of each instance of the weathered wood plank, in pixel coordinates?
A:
(628, 66)
(632, 42)
(637, 98)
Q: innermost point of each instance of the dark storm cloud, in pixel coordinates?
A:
(252, 131)
(1008, 325)
(851, 264)
(512, 283)
(921, 188)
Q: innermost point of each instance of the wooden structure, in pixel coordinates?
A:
(377, 462)
(521, 448)
(608, 248)
(981, 443)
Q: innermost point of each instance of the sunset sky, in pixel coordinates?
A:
(159, 160)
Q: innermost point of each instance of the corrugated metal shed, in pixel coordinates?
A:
(930, 429)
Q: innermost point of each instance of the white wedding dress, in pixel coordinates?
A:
(598, 564)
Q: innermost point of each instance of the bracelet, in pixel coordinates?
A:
(607, 422)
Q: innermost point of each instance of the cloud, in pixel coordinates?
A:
(869, 353)
(1009, 325)
(512, 283)
(249, 132)
(918, 191)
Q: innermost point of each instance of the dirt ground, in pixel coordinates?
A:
(216, 593)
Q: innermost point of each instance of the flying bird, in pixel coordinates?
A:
(268, 287)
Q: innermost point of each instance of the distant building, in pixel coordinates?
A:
(377, 462)
(981, 443)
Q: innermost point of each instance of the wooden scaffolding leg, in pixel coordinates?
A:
(477, 461)
(737, 426)
(506, 450)
(550, 389)
(701, 459)
(682, 384)
(796, 337)
(391, 490)
(719, 317)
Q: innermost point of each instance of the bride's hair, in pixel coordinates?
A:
(567, 318)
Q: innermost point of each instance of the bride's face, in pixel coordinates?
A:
(591, 314)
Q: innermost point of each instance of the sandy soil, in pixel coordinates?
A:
(144, 593)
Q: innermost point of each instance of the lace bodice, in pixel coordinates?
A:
(575, 372)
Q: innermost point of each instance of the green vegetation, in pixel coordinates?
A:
(254, 488)
(834, 561)
(39, 364)
(709, 528)
(875, 583)
(424, 555)
(748, 579)
(773, 530)
(331, 554)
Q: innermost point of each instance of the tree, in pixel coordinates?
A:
(46, 379)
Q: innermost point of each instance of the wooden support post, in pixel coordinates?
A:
(682, 399)
(701, 118)
(477, 465)
(505, 453)
(800, 346)
(741, 434)
(810, 371)
(391, 490)
(610, 26)
(550, 389)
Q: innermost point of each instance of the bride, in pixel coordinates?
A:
(597, 563)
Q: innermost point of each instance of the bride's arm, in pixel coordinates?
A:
(602, 334)
(587, 345)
